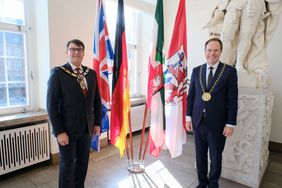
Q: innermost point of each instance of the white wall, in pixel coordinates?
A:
(69, 19)
(42, 49)
(198, 12)
(274, 55)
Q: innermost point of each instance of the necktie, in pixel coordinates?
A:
(82, 84)
(210, 77)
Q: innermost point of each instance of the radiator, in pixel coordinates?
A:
(22, 147)
(137, 115)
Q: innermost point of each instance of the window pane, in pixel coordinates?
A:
(3, 95)
(13, 70)
(16, 70)
(2, 70)
(130, 36)
(12, 11)
(17, 94)
(1, 44)
(130, 24)
(14, 44)
(131, 54)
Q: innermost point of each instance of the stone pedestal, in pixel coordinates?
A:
(245, 156)
(247, 80)
(252, 80)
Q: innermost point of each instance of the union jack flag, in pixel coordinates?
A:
(103, 62)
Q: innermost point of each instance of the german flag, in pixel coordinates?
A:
(120, 89)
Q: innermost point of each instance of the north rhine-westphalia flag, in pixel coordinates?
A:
(102, 61)
(120, 89)
(176, 85)
(155, 95)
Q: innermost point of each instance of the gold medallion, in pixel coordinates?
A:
(82, 84)
(206, 96)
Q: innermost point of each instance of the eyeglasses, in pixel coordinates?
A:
(78, 50)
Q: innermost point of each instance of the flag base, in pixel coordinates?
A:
(136, 166)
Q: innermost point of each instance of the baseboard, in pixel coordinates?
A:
(275, 147)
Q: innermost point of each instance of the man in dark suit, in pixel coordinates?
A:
(212, 104)
(74, 109)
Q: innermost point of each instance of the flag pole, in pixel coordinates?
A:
(126, 149)
(135, 166)
(147, 142)
(130, 136)
(143, 132)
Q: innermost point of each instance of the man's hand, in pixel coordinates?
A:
(189, 126)
(228, 131)
(97, 130)
(63, 139)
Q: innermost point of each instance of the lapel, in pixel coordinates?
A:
(204, 67)
(67, 66)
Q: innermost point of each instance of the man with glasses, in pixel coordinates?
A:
(74, 109)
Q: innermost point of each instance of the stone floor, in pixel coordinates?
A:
(108, 170)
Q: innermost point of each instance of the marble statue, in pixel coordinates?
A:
(215, 23)
(245, 28)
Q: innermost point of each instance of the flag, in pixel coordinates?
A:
(102, 60)
(155, 95)
(176, 85)
(95, 142)
(120, 86)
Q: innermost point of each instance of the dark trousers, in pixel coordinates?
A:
(207, 139)
(74, 162)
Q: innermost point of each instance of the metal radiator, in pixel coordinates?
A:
(22, 147)
(137, 115)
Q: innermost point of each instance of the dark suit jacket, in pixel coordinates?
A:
(69, 111)
(222, 108)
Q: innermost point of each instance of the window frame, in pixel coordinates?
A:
(30, 51)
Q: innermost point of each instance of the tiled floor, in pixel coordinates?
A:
(107, 170)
